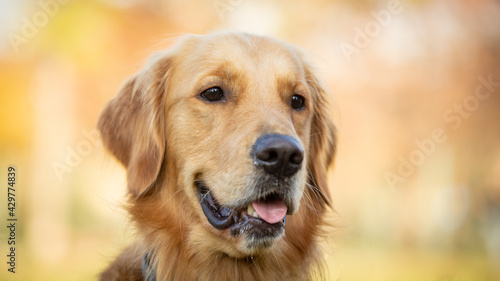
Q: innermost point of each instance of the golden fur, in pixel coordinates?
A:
(167, 137)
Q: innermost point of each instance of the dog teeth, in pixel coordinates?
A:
(251, 211)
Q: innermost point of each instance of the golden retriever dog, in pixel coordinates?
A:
(226, 140)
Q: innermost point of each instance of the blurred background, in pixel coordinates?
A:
(416, 97)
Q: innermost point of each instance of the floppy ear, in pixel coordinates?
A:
(133, 123)
(322, 140)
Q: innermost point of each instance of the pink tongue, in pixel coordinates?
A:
(270, 211)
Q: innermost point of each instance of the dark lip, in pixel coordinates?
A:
(219, 217)
(237, 220)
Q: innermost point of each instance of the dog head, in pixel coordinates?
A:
(236, 127)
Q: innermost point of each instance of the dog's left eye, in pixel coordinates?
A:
(213, 94)
(297, 102)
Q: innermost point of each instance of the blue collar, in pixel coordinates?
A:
(148, 273)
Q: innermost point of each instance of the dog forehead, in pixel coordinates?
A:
(242, 52)
(251, 66)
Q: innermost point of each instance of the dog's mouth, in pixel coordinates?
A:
(262, 218)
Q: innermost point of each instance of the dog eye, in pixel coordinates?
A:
(213, 94)
(297, 102)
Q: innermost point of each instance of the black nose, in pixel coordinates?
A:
(279, 155)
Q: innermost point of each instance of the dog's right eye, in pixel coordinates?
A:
(213, 94)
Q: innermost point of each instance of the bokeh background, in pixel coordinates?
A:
(416, 185)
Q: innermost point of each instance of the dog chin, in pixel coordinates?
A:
(249, 245)
(259, 243)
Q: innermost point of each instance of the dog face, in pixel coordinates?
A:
(235, 123)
